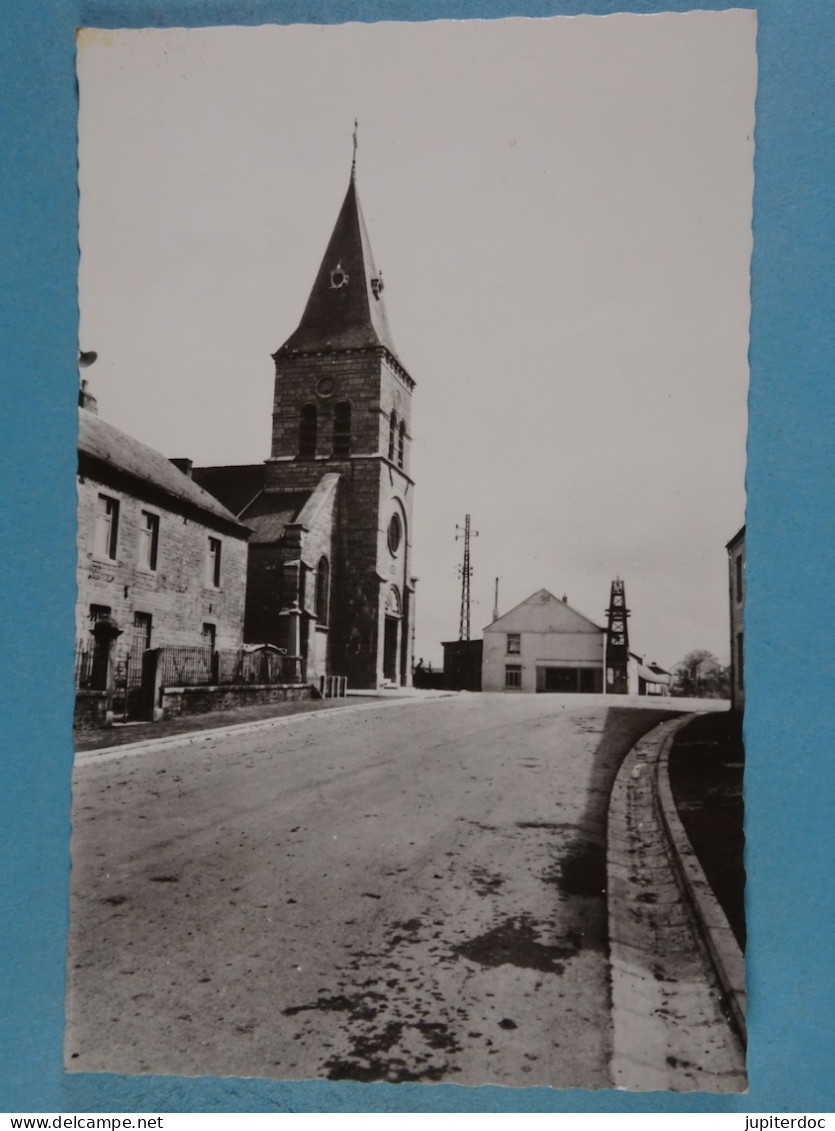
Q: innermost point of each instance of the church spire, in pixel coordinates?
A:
(345, 309)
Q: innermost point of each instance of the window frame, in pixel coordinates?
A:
(148, 540)
(512, 650)
(739, 581)
(515, 671)
(106, 536)
(213, 562)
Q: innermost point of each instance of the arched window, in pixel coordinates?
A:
(342, 429)
(322, 590)
(401, 444)
(392, 434)
(307, 432)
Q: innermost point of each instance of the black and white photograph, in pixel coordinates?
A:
(409, 643)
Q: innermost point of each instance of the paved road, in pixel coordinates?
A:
(411, 891)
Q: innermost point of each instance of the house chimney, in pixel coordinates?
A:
(185, 465)
(86, 398)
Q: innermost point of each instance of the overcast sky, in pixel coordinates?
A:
(562, 212)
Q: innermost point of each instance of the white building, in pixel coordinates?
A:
(543, 645)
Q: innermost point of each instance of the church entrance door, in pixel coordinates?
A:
(390, 649)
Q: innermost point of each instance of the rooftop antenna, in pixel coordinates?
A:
(465, 571)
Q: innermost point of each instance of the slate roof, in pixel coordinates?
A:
(113, 448)
(351, 315)
(272, 512)
(236, 485)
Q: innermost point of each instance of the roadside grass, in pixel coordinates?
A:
(707, 763)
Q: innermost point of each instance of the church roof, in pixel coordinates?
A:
(236, 485)
(269, 515)
(345, 309)
(113, 449)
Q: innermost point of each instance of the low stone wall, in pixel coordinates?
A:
(90, 710)
(177, 701)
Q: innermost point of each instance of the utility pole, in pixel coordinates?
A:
(496, 602)
(465, 571)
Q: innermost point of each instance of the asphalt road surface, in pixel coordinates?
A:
(409, 891)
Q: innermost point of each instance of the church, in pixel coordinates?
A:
(329, 571)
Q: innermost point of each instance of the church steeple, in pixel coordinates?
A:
(345, 309)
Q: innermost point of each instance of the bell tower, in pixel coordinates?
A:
(342, 406)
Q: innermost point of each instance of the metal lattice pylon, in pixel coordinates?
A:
(465, 571)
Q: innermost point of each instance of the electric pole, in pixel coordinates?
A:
(465, 571)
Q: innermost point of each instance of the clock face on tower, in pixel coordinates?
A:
(339, 278)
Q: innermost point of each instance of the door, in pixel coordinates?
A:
(392, 632)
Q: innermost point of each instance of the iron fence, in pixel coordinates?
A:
(84, 657)
(189, 666)
(186, 666)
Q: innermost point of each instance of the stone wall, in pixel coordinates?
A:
(179, 701)
(90, 710)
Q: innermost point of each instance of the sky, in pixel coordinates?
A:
(561, 209)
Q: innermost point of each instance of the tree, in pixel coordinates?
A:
(700, 675)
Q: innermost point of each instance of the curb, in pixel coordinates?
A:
(719, 940)
(188, 738)
(671, 1029)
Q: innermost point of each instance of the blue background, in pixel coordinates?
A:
(789, 606)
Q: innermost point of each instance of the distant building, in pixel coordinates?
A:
(544, 645)
(160, 561)
(648, 679)
(330, 572)
(736, 597)
(462, 664)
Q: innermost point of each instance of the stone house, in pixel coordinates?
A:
(160, 561)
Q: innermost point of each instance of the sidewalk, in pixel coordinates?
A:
(121, 734)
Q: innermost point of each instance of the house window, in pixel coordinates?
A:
(307, 432)
(213, 564)
(209, 634)
(392, 434)
(342, 429)
(514, 644)
(148, 540)
(107, 527)
(322, 587)
(401, 444)
(738, 569)
(513, 675)
(739, 661)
